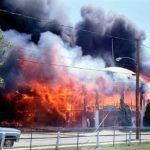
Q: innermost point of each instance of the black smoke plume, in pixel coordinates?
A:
(38, 11)
(97, 42)
(101, 26)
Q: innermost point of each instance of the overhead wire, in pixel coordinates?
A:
(61, 65)
(66, 26)
(67, 66)
(74, 67)
(52, 22)
(145, 46)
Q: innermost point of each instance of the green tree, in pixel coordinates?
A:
(3, 46)
(147, 115)
(124, 113)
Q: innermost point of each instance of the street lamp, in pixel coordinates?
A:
(137, 85)
(120, 58)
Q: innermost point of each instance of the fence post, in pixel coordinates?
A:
(97, 139)
(140, 137)
(129, 142)
(57, 142)
(31, 140)
(114, 136)
(126, 135)
(77, 140)
(2, 141)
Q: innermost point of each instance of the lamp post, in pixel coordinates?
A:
(120, 58)
(137, 85)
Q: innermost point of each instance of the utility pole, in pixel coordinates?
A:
(112, 48)
(137, 88)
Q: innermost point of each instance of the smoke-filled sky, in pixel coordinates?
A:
(136, 10)
(85, 49)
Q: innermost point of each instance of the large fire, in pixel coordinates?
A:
(50, 95)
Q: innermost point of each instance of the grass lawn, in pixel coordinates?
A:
(143, 146)
(134, 146)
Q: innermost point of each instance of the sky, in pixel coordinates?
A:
(137, 11)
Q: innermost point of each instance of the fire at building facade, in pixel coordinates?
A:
(51, 72)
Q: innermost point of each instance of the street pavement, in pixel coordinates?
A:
(49, 139)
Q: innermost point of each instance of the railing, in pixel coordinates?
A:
(53, 138)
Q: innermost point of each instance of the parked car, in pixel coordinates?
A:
(10, 136)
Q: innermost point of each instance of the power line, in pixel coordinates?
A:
(67, 66)
(145, 46)
(52, 22)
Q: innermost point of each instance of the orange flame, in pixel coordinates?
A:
(40, 93)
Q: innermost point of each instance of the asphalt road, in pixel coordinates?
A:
(49, 139)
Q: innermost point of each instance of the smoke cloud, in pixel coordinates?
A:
(97, 42)
(92, 49)
(52, 56)
(47, 57)
(49, 10)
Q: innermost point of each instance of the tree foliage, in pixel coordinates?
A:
(124, 114)
(147, 115)
(3, 46)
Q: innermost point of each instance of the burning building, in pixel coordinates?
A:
(51, 69)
